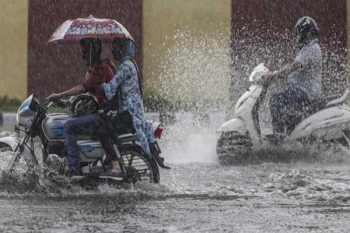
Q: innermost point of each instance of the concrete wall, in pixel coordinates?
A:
(13, 47)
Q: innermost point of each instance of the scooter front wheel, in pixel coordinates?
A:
(231, 150)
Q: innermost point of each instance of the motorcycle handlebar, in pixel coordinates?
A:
(60, 103)
(47, 103)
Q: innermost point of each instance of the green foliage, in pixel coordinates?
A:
(9, 104)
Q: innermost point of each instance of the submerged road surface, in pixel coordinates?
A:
(195, 198)
(196, 195)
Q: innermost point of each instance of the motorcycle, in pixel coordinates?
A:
(33, 120)
(325, 121)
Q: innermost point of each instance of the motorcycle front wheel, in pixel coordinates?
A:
(4, 147)
(20, 161)
(18, 171)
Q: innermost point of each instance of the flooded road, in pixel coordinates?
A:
(195, 198)
(196, 195)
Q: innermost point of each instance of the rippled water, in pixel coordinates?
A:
(196, 195)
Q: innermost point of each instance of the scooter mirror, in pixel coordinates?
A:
(258, 73)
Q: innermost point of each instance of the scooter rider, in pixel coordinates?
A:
(126, 81)
(304, 78)
(98, 73)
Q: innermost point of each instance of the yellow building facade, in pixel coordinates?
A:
(13, 48)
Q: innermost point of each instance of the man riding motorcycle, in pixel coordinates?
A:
(98, 73)
(304, 78)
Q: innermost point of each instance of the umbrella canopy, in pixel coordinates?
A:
(90, 27)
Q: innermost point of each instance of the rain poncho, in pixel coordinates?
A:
(126, 78)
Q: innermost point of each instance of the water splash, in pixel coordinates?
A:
(327, 185)
(193, 84)
(191, 139)
(194, 73)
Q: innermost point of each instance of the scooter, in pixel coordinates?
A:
(326, 120)
(34, 121)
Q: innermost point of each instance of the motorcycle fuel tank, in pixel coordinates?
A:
(53, 126)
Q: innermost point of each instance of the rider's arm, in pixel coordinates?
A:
(287, 69)
(73, 91)
(284, 71)
(120, 76)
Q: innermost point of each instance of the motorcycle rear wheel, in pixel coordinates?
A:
(139, 167)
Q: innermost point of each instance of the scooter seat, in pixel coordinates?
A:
(316, 105)
(327, 101)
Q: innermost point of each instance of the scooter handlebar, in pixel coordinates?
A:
(258, 73)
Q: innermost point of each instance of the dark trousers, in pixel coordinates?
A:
(104, 128)
(84, 125)
(287, 109)
(110, 127)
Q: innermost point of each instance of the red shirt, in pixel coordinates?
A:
(101, 73)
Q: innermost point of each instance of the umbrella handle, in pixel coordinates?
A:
(90, 55)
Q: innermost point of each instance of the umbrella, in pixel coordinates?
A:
(90, 27)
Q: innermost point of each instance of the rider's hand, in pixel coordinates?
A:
(269, 76)
(102, 87)
(61, 103)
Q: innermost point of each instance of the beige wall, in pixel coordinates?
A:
(186, 48)
(13, 47)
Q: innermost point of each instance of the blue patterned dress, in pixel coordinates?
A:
(126, 78)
